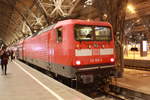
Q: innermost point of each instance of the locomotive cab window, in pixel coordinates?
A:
(59, 34)
(83, 33)
(102, 33)
(91, 32)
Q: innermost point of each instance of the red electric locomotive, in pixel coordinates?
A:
(73, 49)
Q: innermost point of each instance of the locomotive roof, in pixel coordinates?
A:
(86, 22)
(46, 29)
(71, 21)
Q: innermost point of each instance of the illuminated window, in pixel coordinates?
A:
(92, 33)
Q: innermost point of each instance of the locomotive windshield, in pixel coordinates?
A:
(95, 33)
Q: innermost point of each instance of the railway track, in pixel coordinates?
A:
(110, 96)
(116, 97)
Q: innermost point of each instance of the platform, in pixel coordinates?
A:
(134, 60)
(135, 80)
(25, 83)
(133, 55)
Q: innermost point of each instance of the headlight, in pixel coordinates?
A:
(112, 59)
(78, 62)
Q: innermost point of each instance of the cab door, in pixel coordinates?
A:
(55, 45)
(59, 45)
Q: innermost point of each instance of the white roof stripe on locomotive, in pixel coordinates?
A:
(83, 52)
(108, 51)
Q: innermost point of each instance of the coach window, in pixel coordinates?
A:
(59, 34)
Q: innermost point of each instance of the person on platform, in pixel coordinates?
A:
(11, 54)
(4, 60)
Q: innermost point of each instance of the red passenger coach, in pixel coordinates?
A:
(72, 48)
(19, 50)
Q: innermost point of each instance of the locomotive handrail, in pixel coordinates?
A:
(99, 67)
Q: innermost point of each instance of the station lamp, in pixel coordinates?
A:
(42, 27)
(131, 8)
(105, 17)
(35, 30)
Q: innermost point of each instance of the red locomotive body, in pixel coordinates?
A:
(70, 47)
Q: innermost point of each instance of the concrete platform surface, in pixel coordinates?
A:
(25, 83)
(135, 80)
